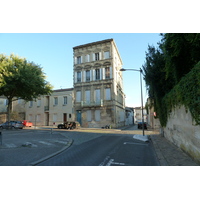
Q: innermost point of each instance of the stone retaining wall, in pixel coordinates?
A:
(182, 131)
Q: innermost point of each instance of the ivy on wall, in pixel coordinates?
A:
(187, 93)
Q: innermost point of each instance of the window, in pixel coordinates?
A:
(30, 117)
(89, 116)
(70, 115)
(97, 56)
(5, 102)
(55, 101)
(87, 75)
(97, 74)
(97, 96)
(107, 72)
(108, 95)
(87, 58)
(19, 100)
(38, 118)
(87, 96)
(97, 115)
(30, 103)
(79, 60)
(38, 102)
(78, 96)
(54, 117)
(65, 100)
(106, 54)
(78, 76)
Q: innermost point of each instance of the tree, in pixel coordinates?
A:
(165, 70)
(155, 77)
(21, 79)
(182, 53)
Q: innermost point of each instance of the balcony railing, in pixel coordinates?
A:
(91, 103)
(96, 103)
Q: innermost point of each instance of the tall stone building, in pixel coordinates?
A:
(98, 85)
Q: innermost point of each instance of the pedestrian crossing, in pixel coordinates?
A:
(36, 143)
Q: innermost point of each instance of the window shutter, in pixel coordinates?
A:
(84, 76)
(89, 116)
(99, 55)
(75, 77)
(91, 75)
(93, 56)
(103, 73)
(108, 96)
(75, 60)
(110, 72)
(97, 115)
(100, 71)
(94, 75)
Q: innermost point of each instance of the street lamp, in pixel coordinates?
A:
(141, 93)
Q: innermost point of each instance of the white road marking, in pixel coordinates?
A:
(47, 143)
(136, 143)
(11, 145)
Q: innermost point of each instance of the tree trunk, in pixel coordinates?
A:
(9, 108)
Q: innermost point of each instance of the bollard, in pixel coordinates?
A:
(0, 138)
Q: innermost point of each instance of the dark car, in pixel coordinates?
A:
(12, 124)
(69, 125)
(140, 125)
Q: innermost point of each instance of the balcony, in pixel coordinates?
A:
(91, 103)
(99, 103)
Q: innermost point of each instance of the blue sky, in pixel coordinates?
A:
(54, 53)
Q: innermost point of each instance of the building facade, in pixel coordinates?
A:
(98, 85)
(51, 110)
(138, 114)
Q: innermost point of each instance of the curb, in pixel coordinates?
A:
(53, 154)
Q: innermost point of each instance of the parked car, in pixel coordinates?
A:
(69, 125)
(140, 125)
(12, 124)
(27, 123)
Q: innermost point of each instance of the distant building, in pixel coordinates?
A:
(129, 116)
(98, 85)
(138, 114)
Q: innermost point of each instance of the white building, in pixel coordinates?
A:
(51, 110)
(98, 85)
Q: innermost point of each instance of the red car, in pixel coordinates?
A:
(27, 123)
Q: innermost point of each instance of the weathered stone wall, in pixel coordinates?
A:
(182, 131)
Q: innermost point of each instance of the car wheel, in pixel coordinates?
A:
(60, 127)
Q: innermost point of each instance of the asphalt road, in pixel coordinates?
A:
(106, 150)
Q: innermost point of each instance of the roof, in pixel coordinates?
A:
(93, 43)
(63, 90)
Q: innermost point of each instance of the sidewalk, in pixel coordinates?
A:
(167, 153)
(170, 155)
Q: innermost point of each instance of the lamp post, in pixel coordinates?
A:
(141, 93)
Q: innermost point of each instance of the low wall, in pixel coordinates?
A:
(181, 130)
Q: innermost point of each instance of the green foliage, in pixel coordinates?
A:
(187, 93)
(182, 52)
(21, 79)
(172, 75)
